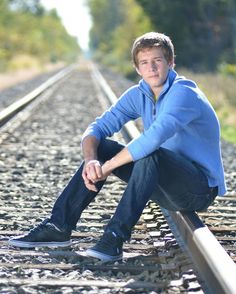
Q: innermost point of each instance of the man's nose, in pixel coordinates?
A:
(153, 66)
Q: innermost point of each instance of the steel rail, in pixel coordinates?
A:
(8, 112)
(213, 264)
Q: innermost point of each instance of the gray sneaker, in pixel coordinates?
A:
(108, 248)
(45, 234)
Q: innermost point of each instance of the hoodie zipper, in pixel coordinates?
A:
(154, 110)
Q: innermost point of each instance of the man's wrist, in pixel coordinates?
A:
(109, 165)
(87, 159)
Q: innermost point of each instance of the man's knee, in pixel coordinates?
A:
(150, 160)
(107, 149)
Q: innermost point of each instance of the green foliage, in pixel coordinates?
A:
(106, 17)
(30, 30)
(116, 24)
(23, 61)
(203, 31)
(31, 6)
(227, 69)
(228, 133)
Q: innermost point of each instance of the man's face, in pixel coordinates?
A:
(153, 67)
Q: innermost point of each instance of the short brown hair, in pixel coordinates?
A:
(150, 40)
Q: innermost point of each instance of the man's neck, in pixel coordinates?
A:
(156, 92)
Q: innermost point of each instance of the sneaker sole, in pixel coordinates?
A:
(102, 256)
(39, 244)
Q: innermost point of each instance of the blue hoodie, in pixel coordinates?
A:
(181, 120)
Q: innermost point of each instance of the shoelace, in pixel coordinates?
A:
(109, 240)
(39, 227)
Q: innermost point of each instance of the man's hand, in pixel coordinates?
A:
(92, 173)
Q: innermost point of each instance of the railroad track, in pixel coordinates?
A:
(36, 164)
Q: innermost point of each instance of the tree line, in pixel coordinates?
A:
(27, 29)
(203, 31)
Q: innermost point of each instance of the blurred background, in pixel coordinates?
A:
(39, 35)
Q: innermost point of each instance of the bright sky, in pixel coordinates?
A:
(75, 17)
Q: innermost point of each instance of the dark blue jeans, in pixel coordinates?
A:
(164, 177)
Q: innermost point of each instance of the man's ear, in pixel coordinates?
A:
(137, 70)
(171, 64)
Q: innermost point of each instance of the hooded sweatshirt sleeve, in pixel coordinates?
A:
(175, 111)
(115, 117)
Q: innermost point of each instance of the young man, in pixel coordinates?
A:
(176, 161)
